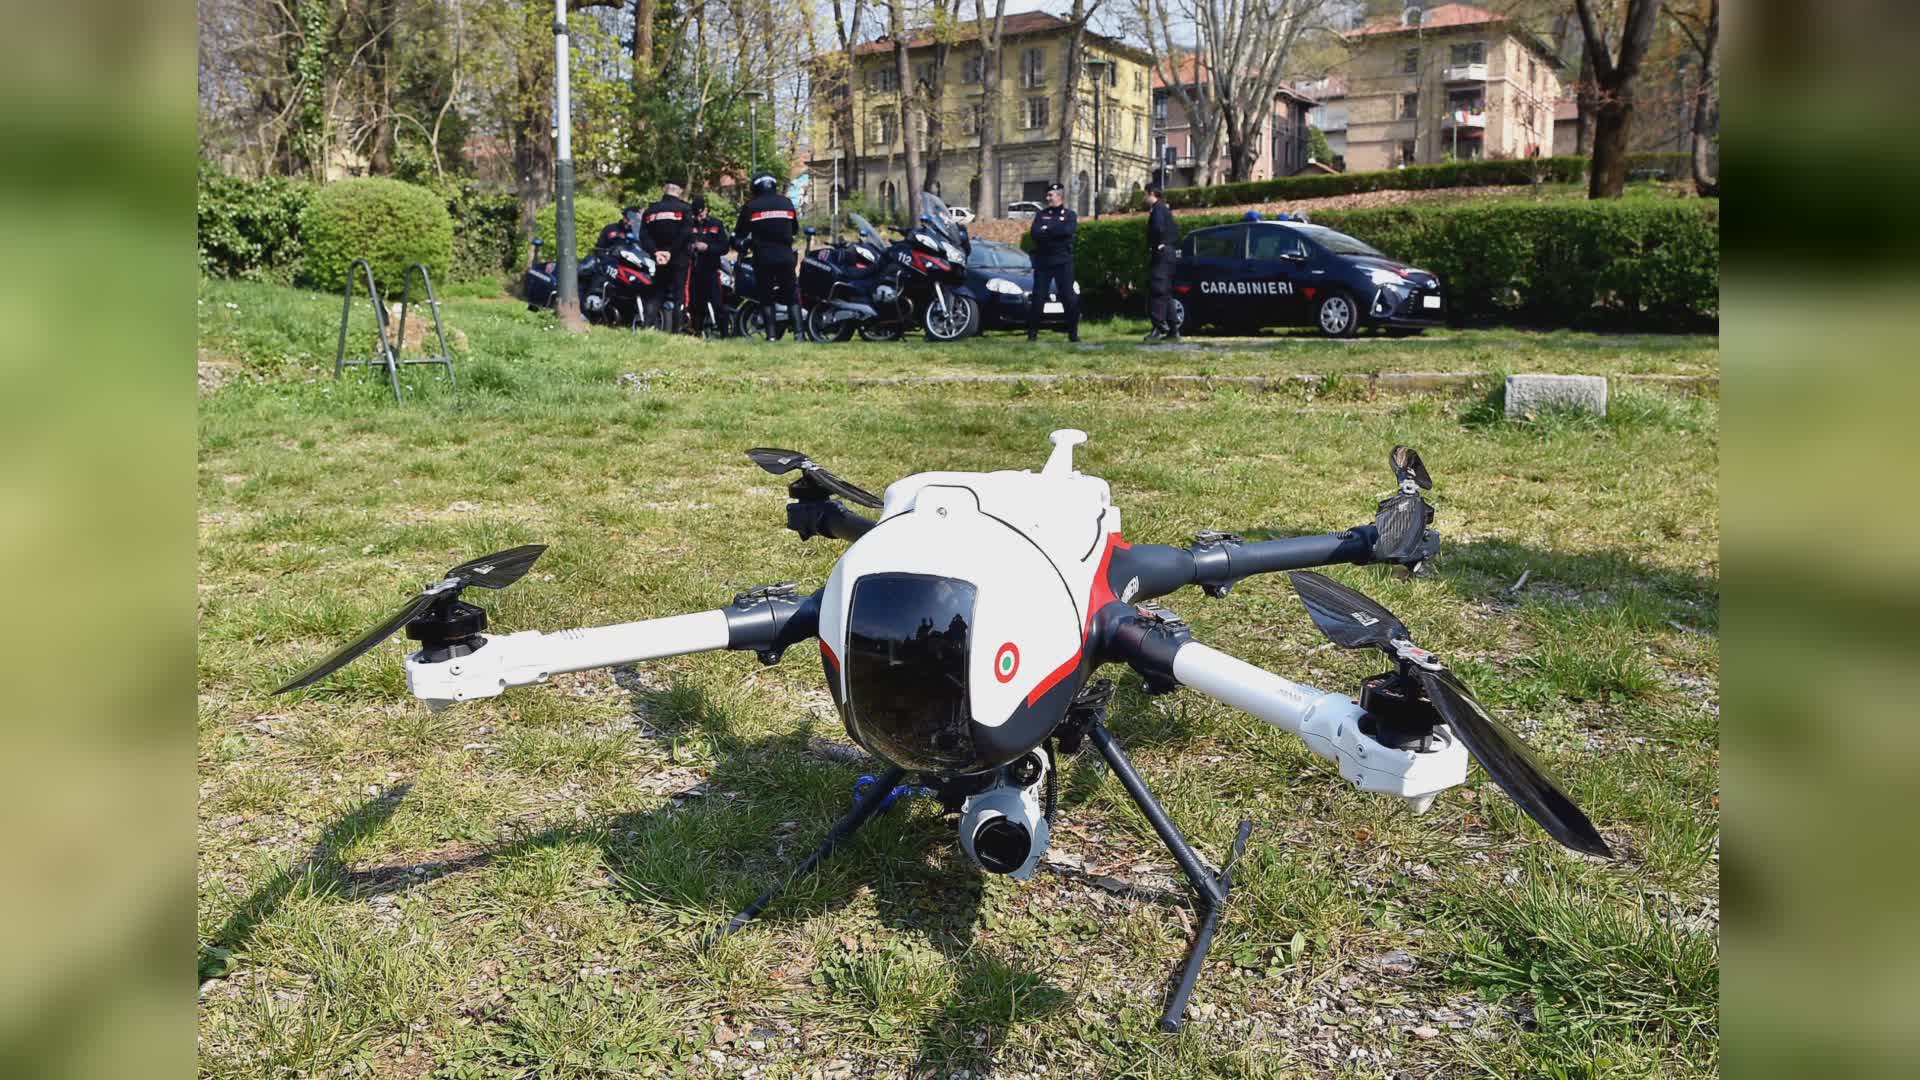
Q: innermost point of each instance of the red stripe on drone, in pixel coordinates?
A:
(827, 652)
(1102, 596)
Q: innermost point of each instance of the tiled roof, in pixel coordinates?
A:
(1433, 18)
(1188, 65)
(1026, 22)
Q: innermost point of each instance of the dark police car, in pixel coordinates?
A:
(1251, 274)
(1000, 276)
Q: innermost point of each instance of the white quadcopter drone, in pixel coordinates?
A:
(960, 633)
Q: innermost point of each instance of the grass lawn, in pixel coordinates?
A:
(515, 887)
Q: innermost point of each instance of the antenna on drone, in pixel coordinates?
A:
(1060, 462)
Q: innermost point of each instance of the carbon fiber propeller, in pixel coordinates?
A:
(1403, 517)
(823, 483)
(495, 571)
(1355, 621)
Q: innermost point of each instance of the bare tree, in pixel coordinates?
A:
(944, 33)
(1703, 34)
(909, 106)
(848, 115)
(1242, 49)
(990, 57)
(1074, 63)
(1613, 79)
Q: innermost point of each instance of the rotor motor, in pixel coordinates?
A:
(1003, 828)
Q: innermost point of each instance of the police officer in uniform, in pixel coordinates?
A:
(619, 232)
(706, 242)
(1163, 246)
(666, 224)
(768, 222)
(1053, 231)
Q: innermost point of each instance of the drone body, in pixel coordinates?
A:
(960, 632)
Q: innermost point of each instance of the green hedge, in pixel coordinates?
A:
(1653, 263)
(486, 232)
(1451, 174)
(251, 228)
(389, 223)
(590, 215)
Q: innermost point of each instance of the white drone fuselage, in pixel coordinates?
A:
(1016, 566)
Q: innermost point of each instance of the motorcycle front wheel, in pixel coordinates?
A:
(960, 318)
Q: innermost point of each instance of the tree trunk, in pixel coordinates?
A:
(988, 165)
(1607, 177)
(1070, 98)
(1704, 185)
(1583, 100)
(909, 112)
(380, 64)
(643, 13)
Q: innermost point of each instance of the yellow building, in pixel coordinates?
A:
(1448, 81)
(1115, 80)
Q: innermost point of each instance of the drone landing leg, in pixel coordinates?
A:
(863, 811)
(1211, 889)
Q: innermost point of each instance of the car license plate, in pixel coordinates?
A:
(1053, 307)
(1430, 301)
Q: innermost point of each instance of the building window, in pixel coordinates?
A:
(1470, 53)
(1139, 80)
(978, 121)
(1410, 63)
(1139, 122)
(1410, 106)
(1466, 101)
(1160, 108)
(1533, 74)
(1036, 112)
(883, 127)
(1033, 67)
(974, 69)
(883, 79)
(923, 73)
(1406, 152)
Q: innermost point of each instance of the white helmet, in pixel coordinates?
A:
(764, 183)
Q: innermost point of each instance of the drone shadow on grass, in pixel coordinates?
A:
(715, 845)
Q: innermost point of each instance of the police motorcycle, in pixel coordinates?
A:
(743, 285)
(617, 285)
(918, 279)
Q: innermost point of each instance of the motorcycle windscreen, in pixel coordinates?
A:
(906, 661)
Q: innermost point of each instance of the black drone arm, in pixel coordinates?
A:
(826, 517)
(1217, 561)
(771, 618)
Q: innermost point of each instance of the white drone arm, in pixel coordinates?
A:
(1328, 723)
(766, 620)
(531, 656)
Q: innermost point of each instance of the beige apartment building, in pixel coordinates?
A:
(1448, 81)
(1116, 80)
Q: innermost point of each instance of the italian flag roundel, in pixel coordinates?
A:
(1006, 662)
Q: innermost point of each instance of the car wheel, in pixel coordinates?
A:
(1337, 315)
(961, 318)
(1177, 314)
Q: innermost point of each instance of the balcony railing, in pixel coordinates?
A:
(1465, 73)
(1464, 119)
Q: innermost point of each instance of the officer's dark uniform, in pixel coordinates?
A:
(666, 224)
(1053, 231)
(1163, 246)
(769, 222)
(612, 236)
(703, 289)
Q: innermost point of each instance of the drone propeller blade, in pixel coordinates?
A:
(1355, 621)
(1348, 618)
(353, 650)
(1401, 524)
(779, 462)
(1407, 465)
(500, 569)
(495, 571)
(1511, 764)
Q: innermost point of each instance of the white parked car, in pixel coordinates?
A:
(959, 215)
(1022, 209)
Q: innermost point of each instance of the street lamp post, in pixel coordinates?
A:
(1099, 69)
(753, 124)
(567, 302)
